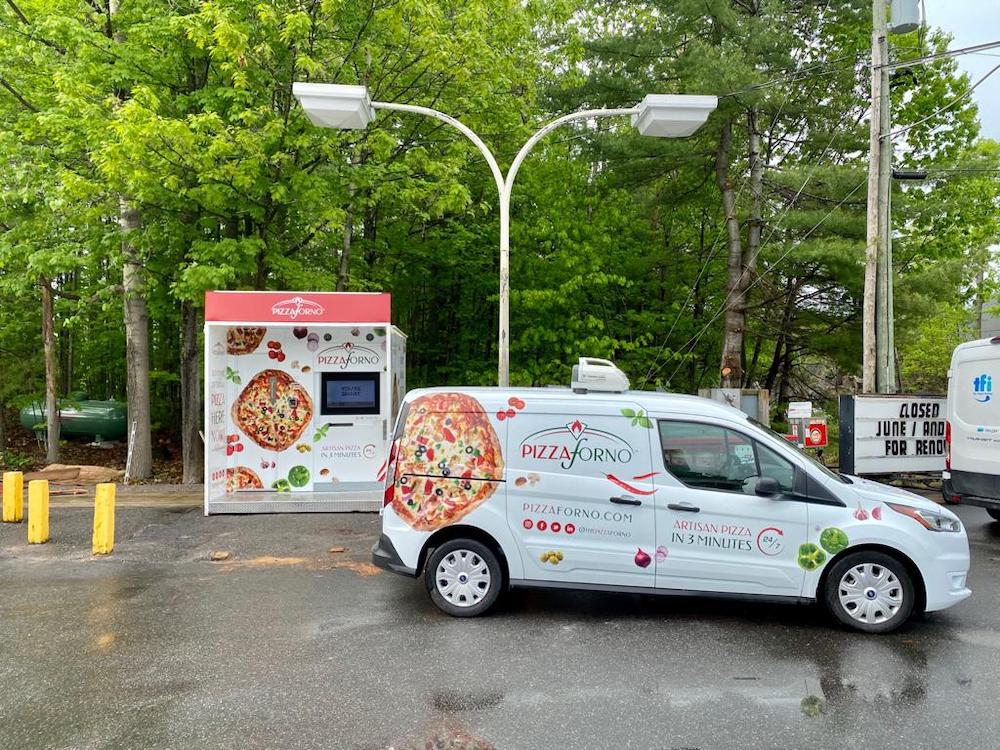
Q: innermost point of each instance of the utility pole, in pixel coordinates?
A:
(869, 321)
(883, 309)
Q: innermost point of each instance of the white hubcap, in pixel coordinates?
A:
(463, 578)
(870, 593)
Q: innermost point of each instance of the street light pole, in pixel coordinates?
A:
(505, 186)
(503, 364)
(349, 108)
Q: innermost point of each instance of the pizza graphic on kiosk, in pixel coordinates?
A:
(448, 463)
(242, 478)
(244, 340)
(273, 410)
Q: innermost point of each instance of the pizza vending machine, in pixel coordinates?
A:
(301, 392)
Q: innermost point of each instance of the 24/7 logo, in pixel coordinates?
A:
(982, 388)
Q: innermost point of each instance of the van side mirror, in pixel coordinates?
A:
(767, 487)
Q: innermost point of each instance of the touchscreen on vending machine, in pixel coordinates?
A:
(350, 393)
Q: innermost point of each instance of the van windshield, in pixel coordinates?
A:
(777, 437)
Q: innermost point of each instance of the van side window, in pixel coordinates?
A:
(774, 466)
(707, 456)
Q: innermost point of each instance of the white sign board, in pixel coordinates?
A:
(895, 434)
(800, 409)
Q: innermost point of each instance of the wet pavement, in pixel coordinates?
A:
(288, 645)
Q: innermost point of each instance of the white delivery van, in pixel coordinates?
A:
(972, 432)
(598, 487)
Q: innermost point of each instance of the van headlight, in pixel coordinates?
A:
(929, 519)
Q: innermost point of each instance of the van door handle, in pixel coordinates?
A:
(625, 500)
(684, 506)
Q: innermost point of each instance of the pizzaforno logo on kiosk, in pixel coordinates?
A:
(297, 307)
(348, 354)
(575, 442)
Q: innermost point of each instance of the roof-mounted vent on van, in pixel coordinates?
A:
(598, 376)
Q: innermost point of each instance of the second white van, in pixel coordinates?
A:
(972, 432)
(598, 487)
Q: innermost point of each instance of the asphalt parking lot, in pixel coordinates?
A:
(289, 645)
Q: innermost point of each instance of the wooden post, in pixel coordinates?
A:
(104, 520)
(38, 511)
(13, 496)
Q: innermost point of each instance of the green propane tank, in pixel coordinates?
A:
(105, 420)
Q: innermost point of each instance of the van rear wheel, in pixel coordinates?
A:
(463, 577)
(994, 513)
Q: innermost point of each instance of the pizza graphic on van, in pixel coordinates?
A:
(448, 463)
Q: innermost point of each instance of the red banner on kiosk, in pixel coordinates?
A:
(297, 307)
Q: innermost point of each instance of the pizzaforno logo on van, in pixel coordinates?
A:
(982, 388)
(575, 442)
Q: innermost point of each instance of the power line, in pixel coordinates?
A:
(694, 342)
(946, 107)
(799, 74)
(708, 260)
(974, 49)
(653, 369)
(823, 66)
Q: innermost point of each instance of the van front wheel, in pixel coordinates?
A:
(463, 577)
(870, 591)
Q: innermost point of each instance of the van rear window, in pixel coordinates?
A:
(976, 396)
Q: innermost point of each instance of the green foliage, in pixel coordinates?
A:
(925, 353)
(185, 110)
(14, 461)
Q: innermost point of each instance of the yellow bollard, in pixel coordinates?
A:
(13, 496)
(104, 519)
(38, 511)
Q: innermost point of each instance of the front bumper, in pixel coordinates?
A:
(385, 556)
(946, 574)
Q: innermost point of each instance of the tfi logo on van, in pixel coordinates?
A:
(348, 354)
(296, 307)
(575, 442)
(982, 388)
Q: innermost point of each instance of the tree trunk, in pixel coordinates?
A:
(345, 256)
(51, 406)
(751, 371)
(784, 390)
(980, 301)
(791, 292)
(741, 260)
(772, 372)
(140, 458)
(732, 336)
(192, 452)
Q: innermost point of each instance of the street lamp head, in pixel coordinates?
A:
(332, 105)
(672, 115)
